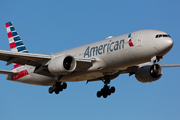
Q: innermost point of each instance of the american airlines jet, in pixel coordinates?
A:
(135, 53)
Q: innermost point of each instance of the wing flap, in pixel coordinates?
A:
(83, 64)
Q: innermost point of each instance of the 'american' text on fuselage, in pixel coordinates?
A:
(101, 49)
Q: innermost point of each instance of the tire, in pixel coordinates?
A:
(64, 85)
(51, 90)
(61, 89)
(106, 88)
(57, 91)
(58, 84)
(105, 95)
(99, 94)
(109, 92)
(112, 89)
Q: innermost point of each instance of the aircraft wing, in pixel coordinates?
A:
(36, 60)
(132, 70)
(169, 65)
(23, 58)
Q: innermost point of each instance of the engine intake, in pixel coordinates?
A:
(149, 73)
(62, 65)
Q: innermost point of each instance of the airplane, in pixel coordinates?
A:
(135, 53)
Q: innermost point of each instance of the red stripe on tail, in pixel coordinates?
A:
(12, 45)
(9, 35)
(7, 24)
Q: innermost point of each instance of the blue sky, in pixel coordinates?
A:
(50, 26)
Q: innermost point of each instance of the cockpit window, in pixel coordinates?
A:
(162, 35)
(165, 36)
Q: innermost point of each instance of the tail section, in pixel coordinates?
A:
(15, 41)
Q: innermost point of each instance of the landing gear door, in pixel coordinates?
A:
(139, 40)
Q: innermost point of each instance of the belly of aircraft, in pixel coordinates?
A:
(81, 76)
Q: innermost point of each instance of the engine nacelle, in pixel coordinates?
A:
(62, 65)
(148, 73)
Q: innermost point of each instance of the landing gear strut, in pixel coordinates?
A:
(58, 86)
(106, 90)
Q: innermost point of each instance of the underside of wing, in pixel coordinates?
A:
(131, 70)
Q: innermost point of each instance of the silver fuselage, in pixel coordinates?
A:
(109, 55)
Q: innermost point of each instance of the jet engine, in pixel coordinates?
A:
(148, 73)
(62, 65)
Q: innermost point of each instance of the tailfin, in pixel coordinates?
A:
(15, 41)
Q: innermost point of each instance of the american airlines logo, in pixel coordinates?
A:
(105, 48)
(130, 41)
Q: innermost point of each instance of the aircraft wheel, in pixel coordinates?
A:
(99, 94)
(64, 85)
(109, 92)
(51, 90)
(58, 84)
(105, 95)
(106, 88)
(61, 89)
(112, 89)
(57, 91)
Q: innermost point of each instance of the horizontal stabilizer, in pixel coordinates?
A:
(7, 72)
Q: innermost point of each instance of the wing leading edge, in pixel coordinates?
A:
(23, 58)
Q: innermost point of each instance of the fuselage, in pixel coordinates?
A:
(109, 55)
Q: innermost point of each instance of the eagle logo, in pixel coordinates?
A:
(130, 40)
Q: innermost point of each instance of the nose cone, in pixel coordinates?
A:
(167, 44)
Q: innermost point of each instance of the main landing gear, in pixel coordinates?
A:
(106, 90)
(58, 86)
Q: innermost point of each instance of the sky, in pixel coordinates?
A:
(50, 26)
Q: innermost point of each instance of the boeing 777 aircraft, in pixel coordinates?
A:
(134, 53)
